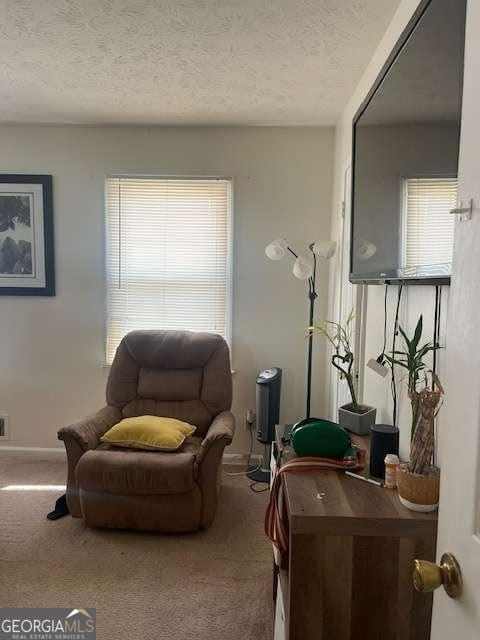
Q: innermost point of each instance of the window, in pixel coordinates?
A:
(168, 255)
(428, 225)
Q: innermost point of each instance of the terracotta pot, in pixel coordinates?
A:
(418, 492)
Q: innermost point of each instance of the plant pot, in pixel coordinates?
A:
(418, 492)
(358, 423)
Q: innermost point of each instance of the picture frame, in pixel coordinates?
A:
(27, 262)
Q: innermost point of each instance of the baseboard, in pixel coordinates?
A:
(241, 458)
(57, 452)
(44, 452)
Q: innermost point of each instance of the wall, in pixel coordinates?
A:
(51, 366)
(416, 300)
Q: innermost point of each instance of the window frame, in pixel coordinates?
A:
(230, 246)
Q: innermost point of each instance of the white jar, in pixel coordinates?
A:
(391, 468)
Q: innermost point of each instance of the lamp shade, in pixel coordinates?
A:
(302, 269)
(325, 248)
(276, 249)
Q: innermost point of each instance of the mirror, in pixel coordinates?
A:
(406, 142)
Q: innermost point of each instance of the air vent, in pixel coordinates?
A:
(3, 427)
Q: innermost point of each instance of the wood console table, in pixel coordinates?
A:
(349, 571)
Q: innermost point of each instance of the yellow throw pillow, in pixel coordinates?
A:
(149, 432)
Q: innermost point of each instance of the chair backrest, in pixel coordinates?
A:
(176, 374)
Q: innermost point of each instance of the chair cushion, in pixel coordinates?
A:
(180, 374)
(149, 432)
(111, 469)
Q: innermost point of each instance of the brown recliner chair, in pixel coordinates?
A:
(177, 374)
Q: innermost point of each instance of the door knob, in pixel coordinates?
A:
(428, 576)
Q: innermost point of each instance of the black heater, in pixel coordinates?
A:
(268, 388)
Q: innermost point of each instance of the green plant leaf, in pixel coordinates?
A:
(418, 332)
(351, 316)
(401, 363)
(405, 337)
(427, 347)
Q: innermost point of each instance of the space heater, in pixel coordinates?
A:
(268, 386)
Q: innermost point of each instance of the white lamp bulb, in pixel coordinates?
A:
(365, 249)
(302, 269)
(276, 250)
(325, 248)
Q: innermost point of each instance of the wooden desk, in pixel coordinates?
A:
(349, 571)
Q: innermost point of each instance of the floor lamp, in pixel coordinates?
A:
(305, 269)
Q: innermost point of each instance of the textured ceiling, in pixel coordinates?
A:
(236, 62)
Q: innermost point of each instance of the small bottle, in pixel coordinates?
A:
(391, 468)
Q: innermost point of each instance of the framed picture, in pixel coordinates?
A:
(27, 266)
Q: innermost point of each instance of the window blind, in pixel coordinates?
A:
(428, 224)
(168, 257)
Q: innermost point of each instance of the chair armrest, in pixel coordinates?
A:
(221, 429)
(209, 461)
(79, 437)
(87, 433)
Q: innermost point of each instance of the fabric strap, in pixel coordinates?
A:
(276, 524)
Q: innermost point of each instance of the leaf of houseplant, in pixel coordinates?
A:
(405, 337)
(418, 333)
(428, 346)
(401, 363)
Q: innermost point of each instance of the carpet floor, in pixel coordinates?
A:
(210, 585)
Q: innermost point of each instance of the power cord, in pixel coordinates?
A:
(260, 482)
(378, 364)
(249, 424)
(381, 357)
(436, 337)
(436, 327)
(395, 333)
(254, 484)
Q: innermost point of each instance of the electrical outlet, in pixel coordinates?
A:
(4, 432)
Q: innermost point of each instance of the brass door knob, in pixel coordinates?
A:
(428, 576)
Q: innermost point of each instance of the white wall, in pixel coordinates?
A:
(51, 349)
(416, 299)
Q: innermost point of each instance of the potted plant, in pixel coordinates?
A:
(356, 417)
(412, 360)
(418, 480)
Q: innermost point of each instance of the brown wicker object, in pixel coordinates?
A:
(423, 443)
(419, 489)
(418, 481)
